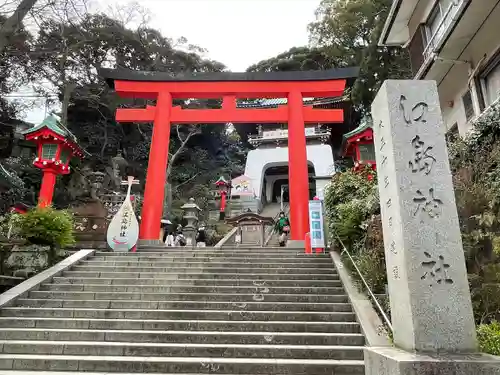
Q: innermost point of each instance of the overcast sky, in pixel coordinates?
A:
(237, 33)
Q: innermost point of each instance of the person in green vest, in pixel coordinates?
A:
(282, 228)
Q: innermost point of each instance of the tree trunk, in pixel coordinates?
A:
(14, 22)
(68, 90)
(167, 206)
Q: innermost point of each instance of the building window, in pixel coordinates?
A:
(492, 84)
(49, 151)
(366, 152)
(435, 26)
(416, 49)
(468, 105)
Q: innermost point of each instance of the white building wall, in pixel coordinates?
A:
(454, 112)
(321, 186)
(320, 156)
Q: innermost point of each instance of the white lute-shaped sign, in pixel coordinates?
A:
(123, 231)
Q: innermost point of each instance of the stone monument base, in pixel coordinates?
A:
(393, 361)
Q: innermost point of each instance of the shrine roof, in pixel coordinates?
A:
(349, 74)
(52, 123)
(275, 102)
(365, 124)
(249, 218)
(221, 181)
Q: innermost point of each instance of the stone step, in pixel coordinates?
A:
(204, 275)
(167, 305)
(183, 365)
(153, 249)
(221, 252)
(229, 283)
(147, 314)
(215, 257)
(103, 348)
(178, 325)
(194, 263)
(207, 268)
(130, 288)
(257, 295)
(199, 337)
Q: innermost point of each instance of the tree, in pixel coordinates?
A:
(348, 30)
(85, 45)
(296, 58)
(14, 23)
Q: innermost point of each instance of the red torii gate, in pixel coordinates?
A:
(229, 86)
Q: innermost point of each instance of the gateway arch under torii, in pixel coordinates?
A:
(229, 87)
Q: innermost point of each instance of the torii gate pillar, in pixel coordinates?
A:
(297, 168)
(154, 193)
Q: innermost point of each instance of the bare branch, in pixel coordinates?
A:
(188, 180)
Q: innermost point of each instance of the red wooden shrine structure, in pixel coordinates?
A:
(229, 87)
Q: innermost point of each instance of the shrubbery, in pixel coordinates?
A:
(352, 207)
(489, 338)
(49, 227)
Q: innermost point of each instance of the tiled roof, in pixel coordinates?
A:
(53, 124)
(265, 103)
(365, 124)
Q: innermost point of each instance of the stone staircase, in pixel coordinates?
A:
(241, 311)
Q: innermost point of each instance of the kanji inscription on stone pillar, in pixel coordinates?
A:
(430, 300)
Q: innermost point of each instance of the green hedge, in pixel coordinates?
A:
(489, 338)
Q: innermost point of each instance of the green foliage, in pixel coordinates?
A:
(350, 200)
(475, 162)
(371, 264)
(485, 292)
(351, 205)
(47, 226)
(489, 338)
(296, 58)
(9, 226)
(67, 52)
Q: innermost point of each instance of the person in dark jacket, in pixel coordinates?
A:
(201, 237)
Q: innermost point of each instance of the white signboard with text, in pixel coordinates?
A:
(123, 231)
(316, 224)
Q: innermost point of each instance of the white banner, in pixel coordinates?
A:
(316, 224)
(123, 231)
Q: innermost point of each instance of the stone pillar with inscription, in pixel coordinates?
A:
(431, 309)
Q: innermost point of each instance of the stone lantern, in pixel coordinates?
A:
(191, 212)
(56, 145)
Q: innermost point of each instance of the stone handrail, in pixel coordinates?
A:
(226, 238)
